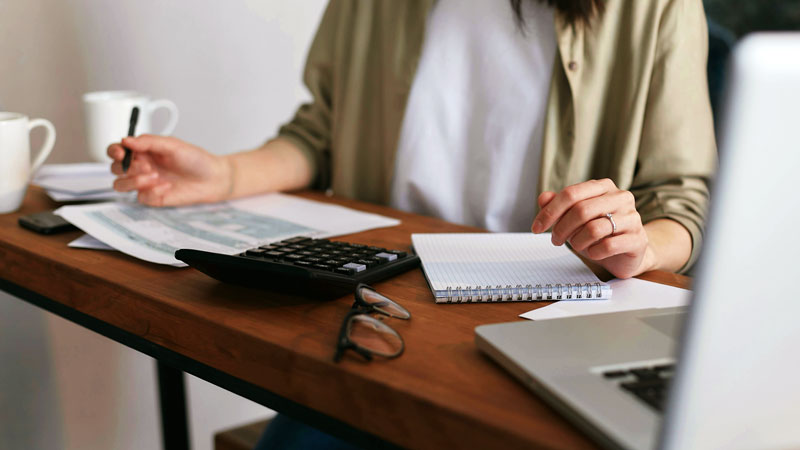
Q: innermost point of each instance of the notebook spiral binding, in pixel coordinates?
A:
(521, 293)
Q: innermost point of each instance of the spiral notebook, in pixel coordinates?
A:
(500, 267)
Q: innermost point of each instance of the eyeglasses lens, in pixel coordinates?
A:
(373, 335)
(384, 304)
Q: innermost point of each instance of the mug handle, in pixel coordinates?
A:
(173, 114)
(49, 141)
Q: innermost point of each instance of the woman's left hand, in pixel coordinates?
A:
(577, 215)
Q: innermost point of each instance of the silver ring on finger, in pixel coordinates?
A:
(610, 218)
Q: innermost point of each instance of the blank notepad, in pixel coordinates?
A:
(487, 267)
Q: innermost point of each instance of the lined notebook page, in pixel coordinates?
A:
(487, 260)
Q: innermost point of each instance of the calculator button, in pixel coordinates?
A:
(359, 246)
(356, 267)
(367, 262)
(255, 252)
(615, 374)
(273, 254)
(294, 257)
(398, 253)
(296, 240)
(323, 266)
(386, 256)
(303, 263)
(345, 270)
(376, 249)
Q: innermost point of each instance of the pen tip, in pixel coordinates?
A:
(134, 113)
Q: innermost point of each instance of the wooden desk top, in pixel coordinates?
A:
(441, 393)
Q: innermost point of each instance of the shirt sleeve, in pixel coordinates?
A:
(677, 157)
(310, 128)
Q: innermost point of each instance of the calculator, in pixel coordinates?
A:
(314, 268)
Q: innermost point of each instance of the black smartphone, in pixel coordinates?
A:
(45, 223)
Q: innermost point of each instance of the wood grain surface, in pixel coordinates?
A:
(441, 393)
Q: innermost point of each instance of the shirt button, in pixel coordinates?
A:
(573, 66)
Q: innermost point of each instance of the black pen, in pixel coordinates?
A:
(126, 161)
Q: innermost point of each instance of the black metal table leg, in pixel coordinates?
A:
(172, 399)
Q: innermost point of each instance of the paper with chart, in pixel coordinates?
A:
(154, 234)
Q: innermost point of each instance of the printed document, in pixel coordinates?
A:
(154, 234)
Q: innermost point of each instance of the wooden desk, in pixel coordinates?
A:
(277, 350)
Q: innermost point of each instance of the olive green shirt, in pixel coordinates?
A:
(628, 101)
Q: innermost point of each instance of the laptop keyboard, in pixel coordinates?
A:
(648, 383)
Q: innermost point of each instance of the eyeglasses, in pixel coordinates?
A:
(367, 335)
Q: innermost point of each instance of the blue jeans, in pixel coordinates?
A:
(283, 433)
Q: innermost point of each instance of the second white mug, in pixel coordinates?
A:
(108, 113)
(16, 166)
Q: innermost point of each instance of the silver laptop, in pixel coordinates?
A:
(736, 383)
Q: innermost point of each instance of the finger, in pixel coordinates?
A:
(115, 151)
(139, 166)
(616, 202)
(155, 196)
(564, 200)
(545, 198)
(628, 243)
(152, 143)
(135, 182)
(601, 228)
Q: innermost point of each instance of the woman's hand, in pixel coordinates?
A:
(167, 171)
(577, 215)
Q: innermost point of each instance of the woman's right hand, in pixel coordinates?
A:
(169, 172)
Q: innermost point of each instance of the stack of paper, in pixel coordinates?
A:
(154, 234)
(77, 182)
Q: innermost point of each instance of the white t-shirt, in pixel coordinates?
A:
(471, 139)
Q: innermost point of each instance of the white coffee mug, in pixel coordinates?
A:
(108, 115)
(16, 167)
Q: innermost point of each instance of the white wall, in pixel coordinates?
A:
(233, 67)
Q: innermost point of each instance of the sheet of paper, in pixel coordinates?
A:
(629, 295)
(71, 170)
(90, 243)
(82, 178)
(154, 234)
(97, 196)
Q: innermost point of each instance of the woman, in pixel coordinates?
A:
(601, 107)
(469, 111)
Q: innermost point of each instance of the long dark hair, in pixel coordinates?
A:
(576, 11)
